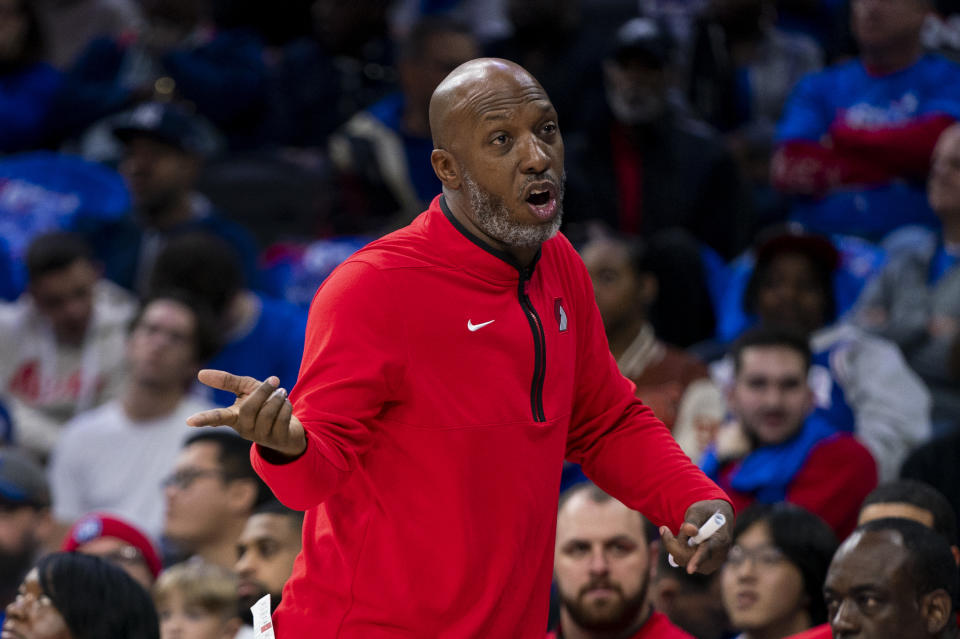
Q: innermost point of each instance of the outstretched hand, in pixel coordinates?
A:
(261, 412)
(709, 555)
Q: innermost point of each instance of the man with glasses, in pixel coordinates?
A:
(114, 458)
(211, 493)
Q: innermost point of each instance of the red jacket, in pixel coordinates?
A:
(441, 390)
(658, 626)
(833, 482)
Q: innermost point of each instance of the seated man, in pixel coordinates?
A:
(114, 458)
(268, 545)
(792, 287)
(62, 342)
(775, 449)
(671, 382)
(855, 139)
(915, 301)
(602, 569)
(892, 578)
(210, 495)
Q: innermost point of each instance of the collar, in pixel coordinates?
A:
(489, 262)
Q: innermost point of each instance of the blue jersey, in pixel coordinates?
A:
(847, 94)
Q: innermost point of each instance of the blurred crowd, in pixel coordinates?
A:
(766, 194)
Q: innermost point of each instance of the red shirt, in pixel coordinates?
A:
(658, 626)
(441, 394)
(823, 632)
(833, 482)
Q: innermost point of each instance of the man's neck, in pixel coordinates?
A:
(523, 255)
(886, 60)
(572, 631)
(143, 402)
(621, 337)
(222, 551)
(177, 211)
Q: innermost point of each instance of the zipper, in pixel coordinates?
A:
(539, 347)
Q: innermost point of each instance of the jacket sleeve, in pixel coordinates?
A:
(619, 442)
(352, 362)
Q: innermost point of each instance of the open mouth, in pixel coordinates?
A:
(539, 198)
(542, 200)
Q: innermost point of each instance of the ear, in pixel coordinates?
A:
(446, 167)
(647, 289)
(935, 608)
(242, 495)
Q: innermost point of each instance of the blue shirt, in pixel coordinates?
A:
(848, 94)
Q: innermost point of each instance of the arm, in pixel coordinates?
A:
(904, 148)
(890, 424)
(628, 452)
(351, 363)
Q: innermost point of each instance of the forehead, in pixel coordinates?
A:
(770, 360)
(269, 526)
(871, 558)
(583, 518)
(790, 263)
(201, 454)
(168, 314)
(500, 95)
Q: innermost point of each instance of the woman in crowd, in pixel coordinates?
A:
(773, 578)
(74, 596)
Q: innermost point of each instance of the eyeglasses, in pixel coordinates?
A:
(762, 556)
(183, 479)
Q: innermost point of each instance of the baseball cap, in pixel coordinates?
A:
(22, 480)
(793, 238)
(643, 38)
(97, 525)
(168, 123)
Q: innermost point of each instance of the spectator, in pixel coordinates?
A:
(935, 463)
(674, 384)
(775, 449)
(185, 52)
(792, 287)
(117, 541)
(25, 522)
(62, 342)
(164, 151)
(905, 499)
(74, 596)
(197, 600)
(774, 572)
(382, 153)
(855, 139)
(114, 458)
(602, 569)
(71, 25)
(266, 550)
(27, 84)
(692, 602)
(644, 165)
(210, 495)
(915, 300)
(892, 578)
(261, 336)
(319, 82)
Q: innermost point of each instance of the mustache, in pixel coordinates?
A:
(558, 183)
(600, 582)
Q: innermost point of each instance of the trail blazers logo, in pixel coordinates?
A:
(560, 314)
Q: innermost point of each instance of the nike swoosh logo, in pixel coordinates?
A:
(476, 327)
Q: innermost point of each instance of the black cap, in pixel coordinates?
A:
(644, 39)
(168, 123)
(22, 480)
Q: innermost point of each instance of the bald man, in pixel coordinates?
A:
(449, 369)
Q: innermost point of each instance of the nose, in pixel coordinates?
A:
(14, 609)
(535, 157)
(244, 565)
(844, 622)
(598, 563)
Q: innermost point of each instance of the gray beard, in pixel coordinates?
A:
(492, 217)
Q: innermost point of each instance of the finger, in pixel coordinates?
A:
(223, 380)
(214, 417)
(703, 554)
(264, 427)
(680, 551)
(251, 405)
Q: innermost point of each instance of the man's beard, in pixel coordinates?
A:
(492, 216)
(246, 603)
(618, 614)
